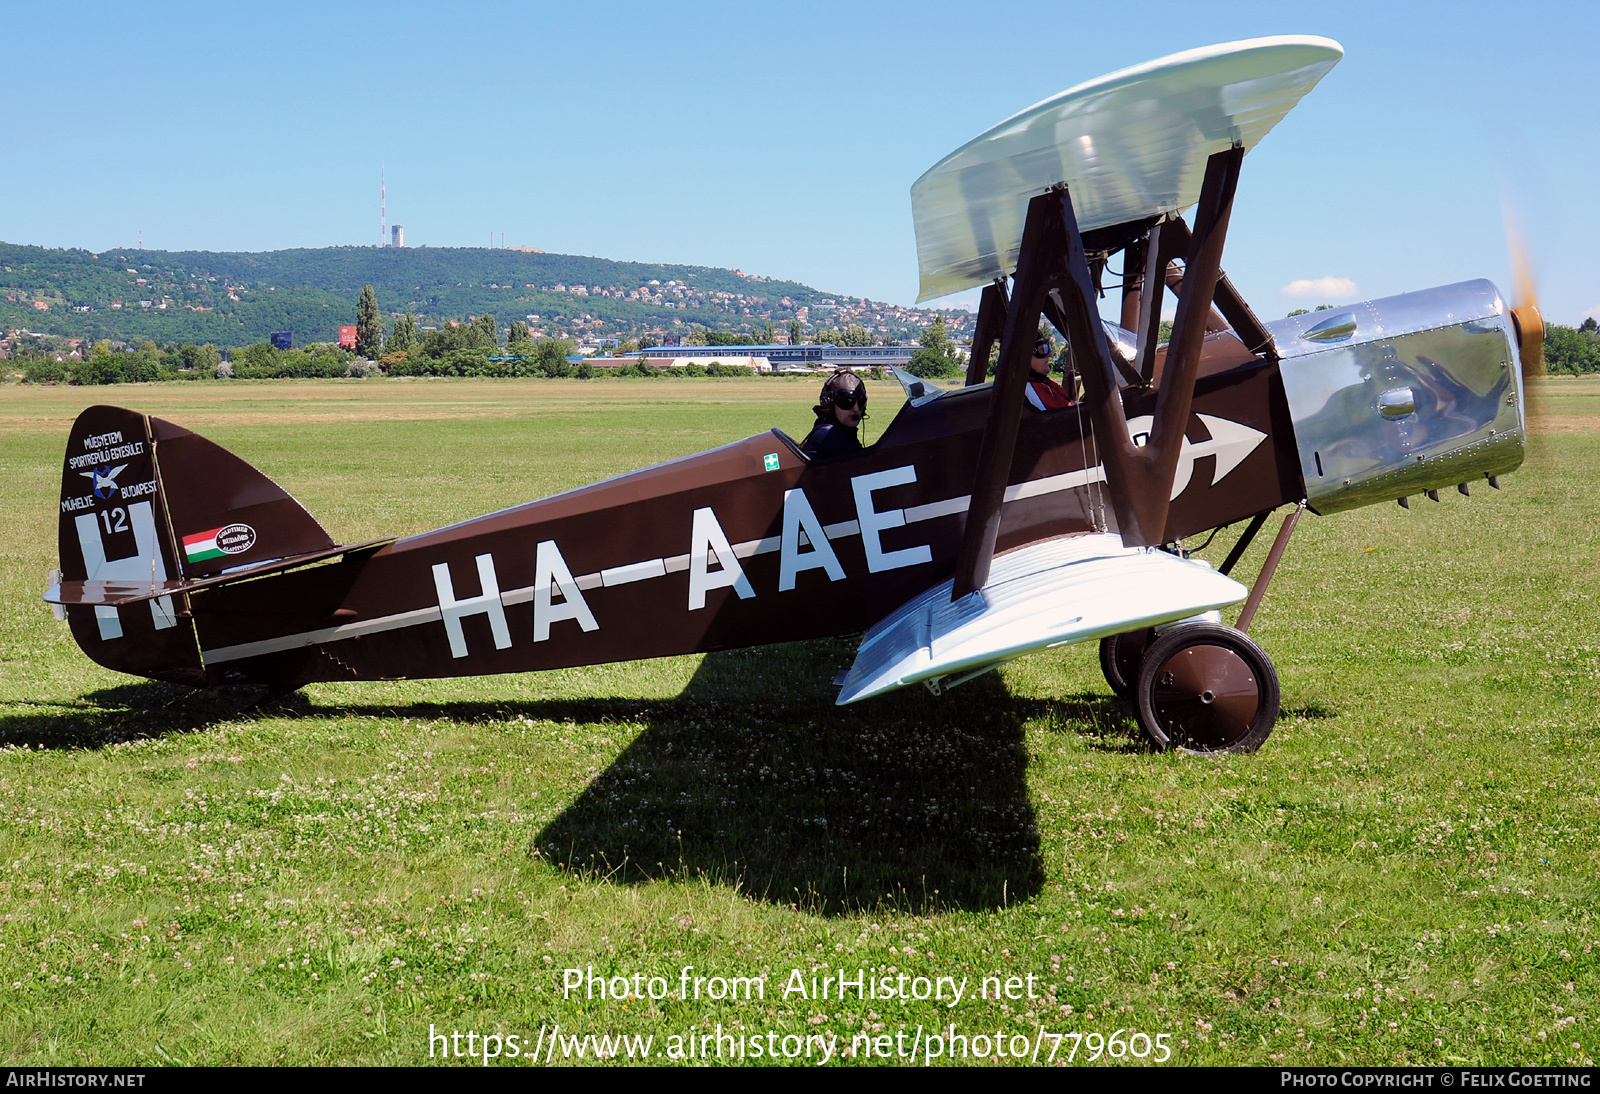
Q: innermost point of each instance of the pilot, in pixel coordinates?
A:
(840, 409)
(1043, 392)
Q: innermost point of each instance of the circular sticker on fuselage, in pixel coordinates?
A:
(236, 539)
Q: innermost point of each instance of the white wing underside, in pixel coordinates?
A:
(1129, 145)
(1049, 594)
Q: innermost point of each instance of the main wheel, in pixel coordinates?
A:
(1120, 656)
(1207, 688)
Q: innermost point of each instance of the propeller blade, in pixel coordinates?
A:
(1525, 314)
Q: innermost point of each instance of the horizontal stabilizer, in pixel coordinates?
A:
(108, 593)
(131, 591)
(1050, 594)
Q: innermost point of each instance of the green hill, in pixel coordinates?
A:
(235, 298)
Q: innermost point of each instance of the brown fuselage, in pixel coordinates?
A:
(628, 547)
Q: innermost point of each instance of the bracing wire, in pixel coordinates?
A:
(1096, 503)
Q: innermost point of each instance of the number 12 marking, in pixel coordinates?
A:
(115, 520)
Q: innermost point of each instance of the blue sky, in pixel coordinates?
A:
(779, 139)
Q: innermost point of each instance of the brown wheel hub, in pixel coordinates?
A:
(1207, 688)
(1206, 695)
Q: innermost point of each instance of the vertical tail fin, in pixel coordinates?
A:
(224, 512)
(114, 527)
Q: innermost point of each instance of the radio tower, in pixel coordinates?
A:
(383, 206)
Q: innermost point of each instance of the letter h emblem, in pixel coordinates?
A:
(487, 602)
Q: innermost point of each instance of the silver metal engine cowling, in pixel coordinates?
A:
(1408, 393)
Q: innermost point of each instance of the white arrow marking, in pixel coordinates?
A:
(1230, 443)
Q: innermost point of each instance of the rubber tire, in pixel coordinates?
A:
(1172, 709)
(1121, 656)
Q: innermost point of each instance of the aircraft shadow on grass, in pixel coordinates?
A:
(131, 712)
(751, 777)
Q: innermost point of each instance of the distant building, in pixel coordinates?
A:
(281, 339)
(802, 357)
(397, 235)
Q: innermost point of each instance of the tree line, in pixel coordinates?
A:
(461, 355)
(1572, 351)
(37, 360)
(456, 349)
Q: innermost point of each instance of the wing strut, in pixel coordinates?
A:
(1239, 314)
(1039, 263)
(992, 307)
(1053, 313)
(1052, 263)
(1133, 260)
(1164, 246)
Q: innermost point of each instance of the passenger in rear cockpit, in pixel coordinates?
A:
(840, 410)
(1043, 392)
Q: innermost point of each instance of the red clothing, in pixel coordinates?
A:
(1045, 394)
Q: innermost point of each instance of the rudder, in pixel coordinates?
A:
(114, 527)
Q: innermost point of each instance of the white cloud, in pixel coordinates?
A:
(966, 300)
(1322, 288)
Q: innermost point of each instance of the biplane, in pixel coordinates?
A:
(975, 529)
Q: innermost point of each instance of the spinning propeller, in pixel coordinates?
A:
(1525, 315)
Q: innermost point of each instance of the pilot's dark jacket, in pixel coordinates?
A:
(828, 438)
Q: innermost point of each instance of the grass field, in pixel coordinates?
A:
(1405, 873)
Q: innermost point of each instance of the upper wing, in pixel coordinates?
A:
(1130, 146)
